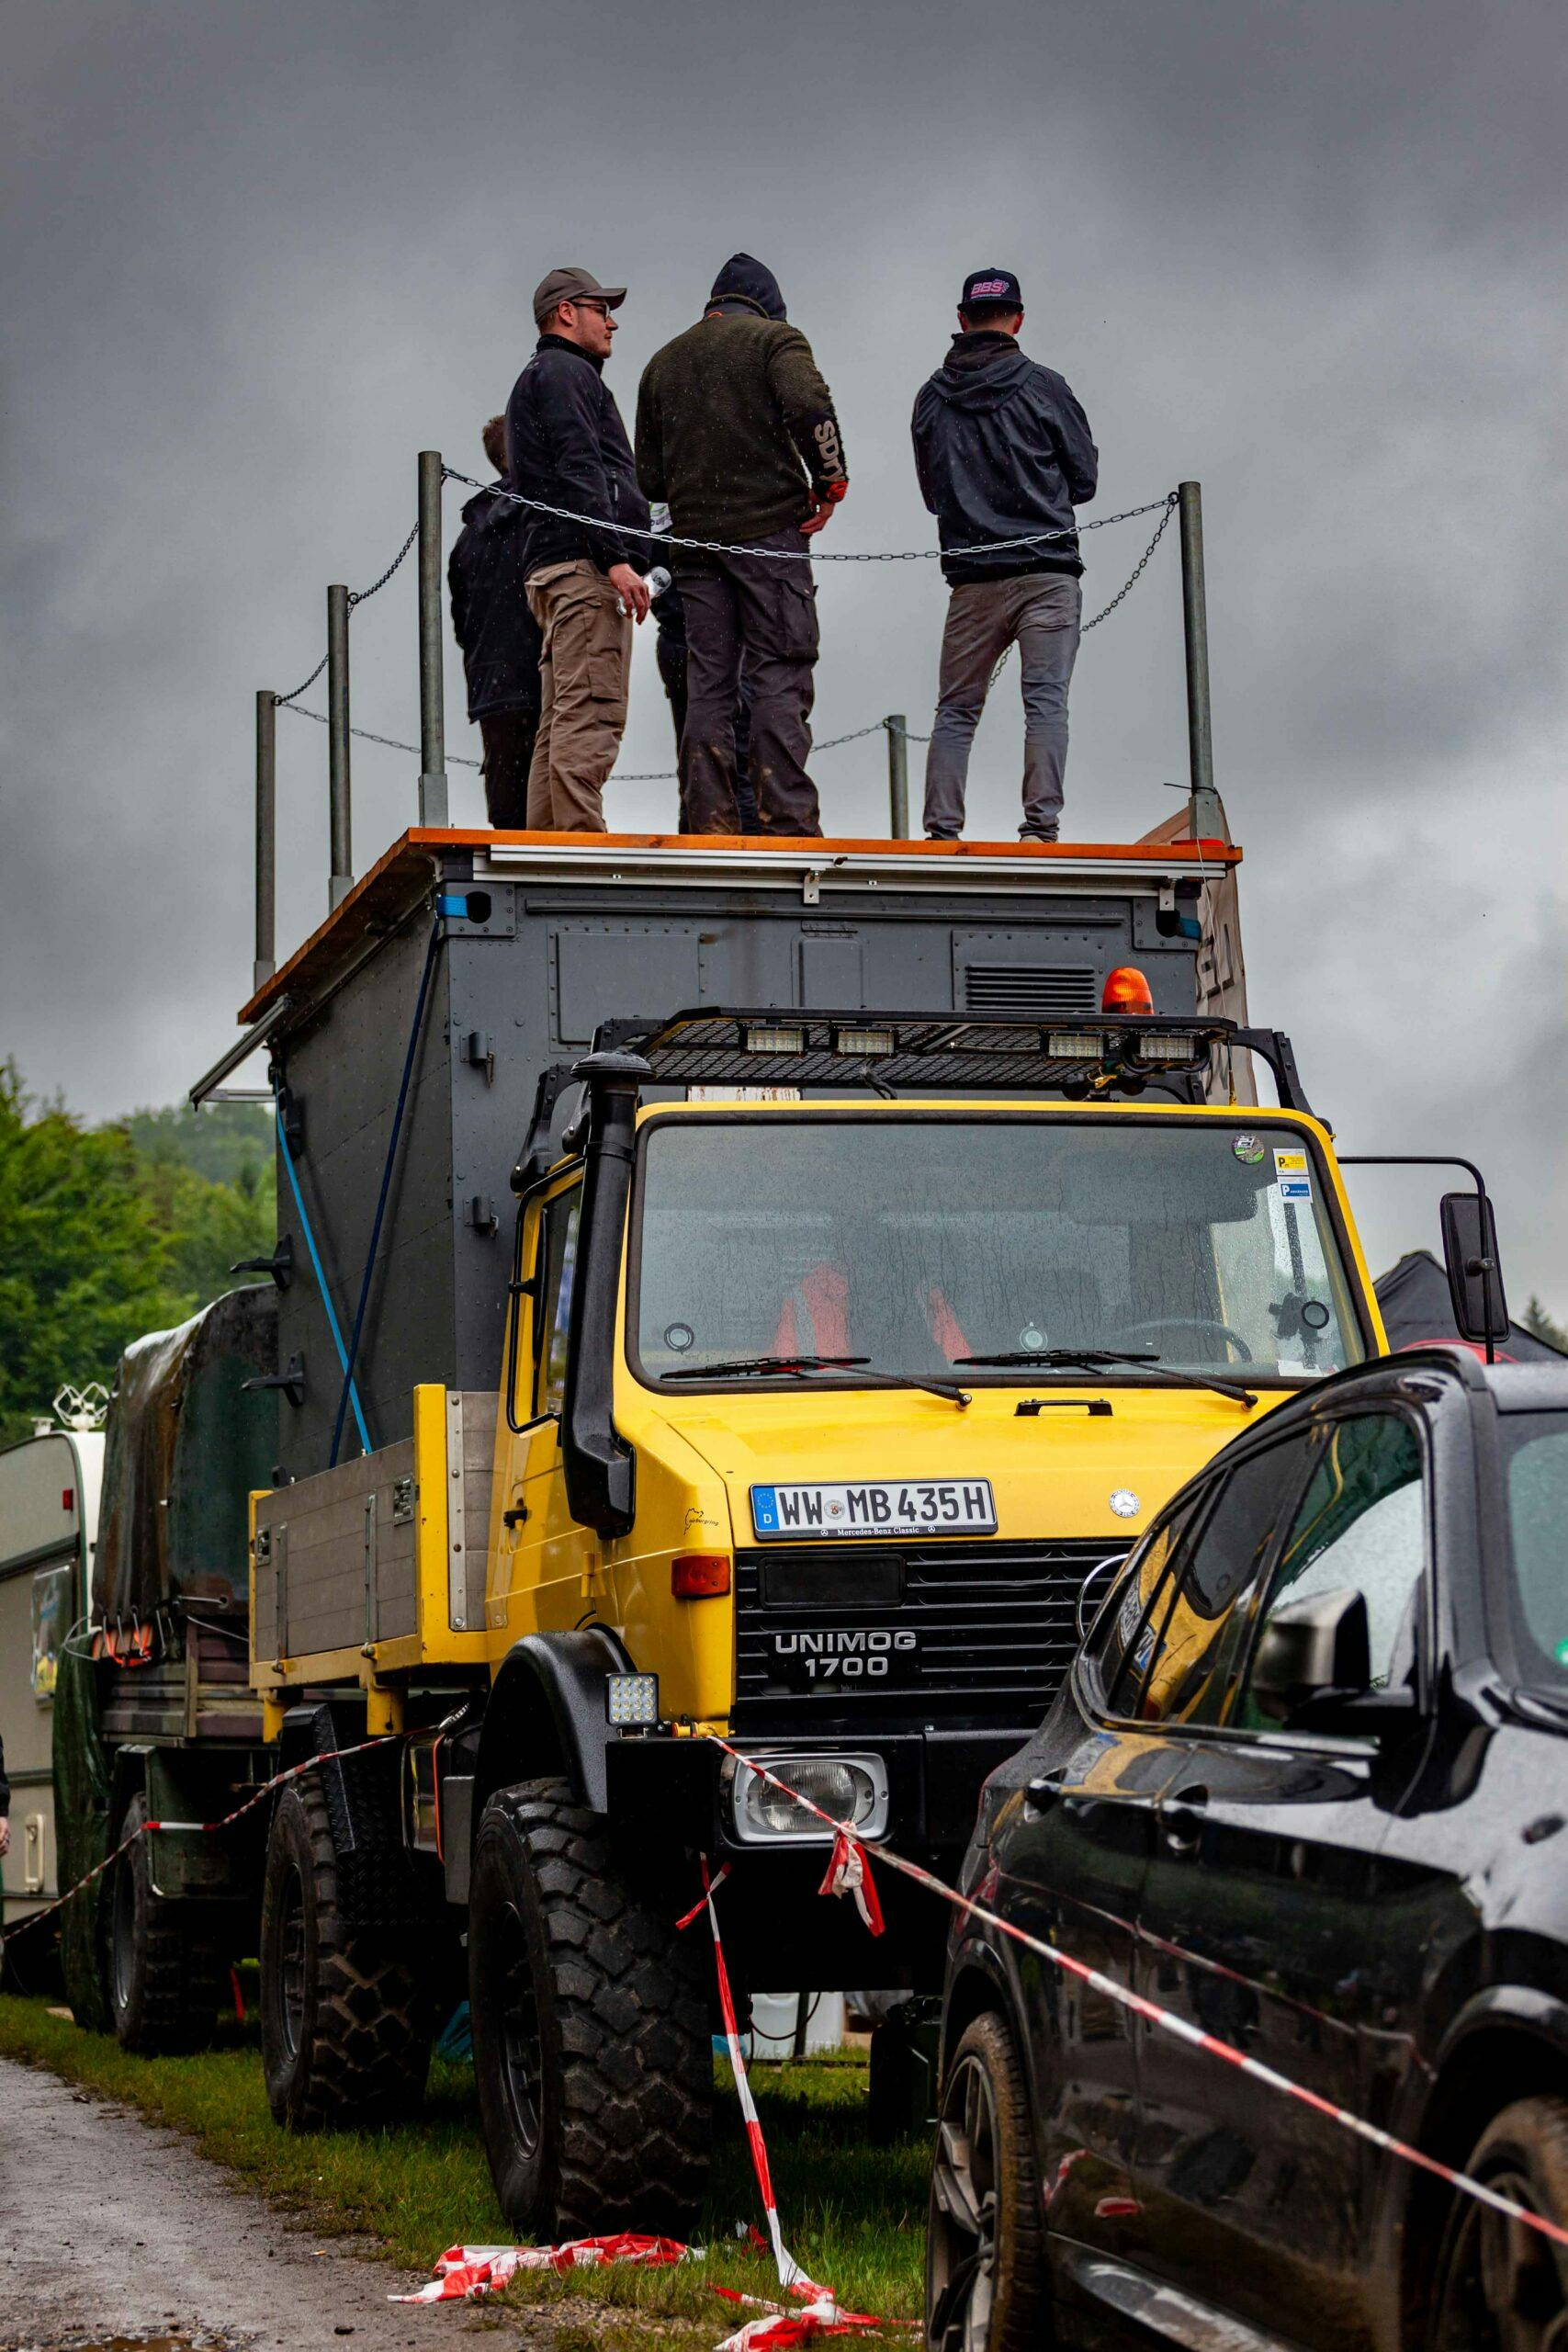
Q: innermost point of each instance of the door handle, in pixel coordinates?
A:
(1042, 1793)
(1182, 1821)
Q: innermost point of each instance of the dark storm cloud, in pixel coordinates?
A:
(1308, 254)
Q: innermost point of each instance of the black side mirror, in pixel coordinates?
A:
(1474, 1268)
(1310, 1646)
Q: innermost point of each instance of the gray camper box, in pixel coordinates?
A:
(476, 961)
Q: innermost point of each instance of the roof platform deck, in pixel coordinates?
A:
(816, 867)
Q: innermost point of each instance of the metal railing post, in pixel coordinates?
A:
(897, 773)
(432, 707)
(265, 962)
(1204, 809)
(339, 878)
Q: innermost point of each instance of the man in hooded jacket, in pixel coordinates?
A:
(736, 433)
(1004, 453)
(500, 639)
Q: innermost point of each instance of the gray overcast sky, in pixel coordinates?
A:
(1309, 252)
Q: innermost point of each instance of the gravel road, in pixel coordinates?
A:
(113, 2228)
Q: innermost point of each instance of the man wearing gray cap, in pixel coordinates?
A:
(567, 448)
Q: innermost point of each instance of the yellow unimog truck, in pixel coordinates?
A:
(745, 1288)
(821, 1361)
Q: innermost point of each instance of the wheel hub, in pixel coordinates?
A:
(963, 2214)
(522, 2054)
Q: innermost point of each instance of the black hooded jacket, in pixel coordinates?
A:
(566, 444)
(1002, 449)
(499, 636)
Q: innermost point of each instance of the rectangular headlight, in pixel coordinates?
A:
(863, 1041)
(767, 1038)
(851, 1788)
(1158, 1046)
(631, 1698)
(1074, 1045)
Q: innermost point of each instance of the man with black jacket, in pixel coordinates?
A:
(1004, 453)
(736, 433)
(500, 639)
(567, 448)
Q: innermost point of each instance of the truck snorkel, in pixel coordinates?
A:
(597, 1463)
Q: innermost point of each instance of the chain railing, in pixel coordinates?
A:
(431, 748)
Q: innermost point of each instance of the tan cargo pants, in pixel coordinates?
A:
(584, 667)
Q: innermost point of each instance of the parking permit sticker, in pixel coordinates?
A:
(1293, 1175)
(1248, 1149)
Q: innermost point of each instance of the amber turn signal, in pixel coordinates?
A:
(699, 1575)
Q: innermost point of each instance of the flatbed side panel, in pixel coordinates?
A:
(365, 1568)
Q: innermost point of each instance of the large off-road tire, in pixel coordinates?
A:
(593, 2051)
(1501, 2286)
(345, 2011)
(986, 2286)
(163, 1965)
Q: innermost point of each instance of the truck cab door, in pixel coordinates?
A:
(542, 1558)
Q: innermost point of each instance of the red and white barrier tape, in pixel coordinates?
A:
(1163, 2018)
(791, 2276)
(194, 1829)
(465, 2272)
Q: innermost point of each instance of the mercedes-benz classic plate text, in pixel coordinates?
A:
(877, 1507)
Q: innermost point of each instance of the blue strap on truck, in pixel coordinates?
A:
(316, 1264)
(444, 905)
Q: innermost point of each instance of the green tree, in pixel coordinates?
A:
(1536, 1320)
(228, 1143)
(207, 1228)
(85, 1263)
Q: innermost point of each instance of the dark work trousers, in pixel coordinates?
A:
(764, 611)
(672, 652)
(508, 737)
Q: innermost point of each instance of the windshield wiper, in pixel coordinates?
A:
(741, 1367)
(763, 1363)
(1152, 1367)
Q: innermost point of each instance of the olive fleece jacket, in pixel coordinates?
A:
(735, 427)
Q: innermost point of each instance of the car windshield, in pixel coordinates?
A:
(1536, 1449)
(918, 1243)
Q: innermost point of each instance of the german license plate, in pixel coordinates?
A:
(902, 1507)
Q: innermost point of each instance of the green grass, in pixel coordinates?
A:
(853, 2215)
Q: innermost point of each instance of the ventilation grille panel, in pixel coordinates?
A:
(1032, 991)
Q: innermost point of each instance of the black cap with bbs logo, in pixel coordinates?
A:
(983, 287)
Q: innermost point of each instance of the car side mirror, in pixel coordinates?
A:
(1474, 1268)
(1309, 1647)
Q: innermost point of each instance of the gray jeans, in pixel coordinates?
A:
(1042, 610)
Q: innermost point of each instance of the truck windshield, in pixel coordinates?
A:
(916, 1242)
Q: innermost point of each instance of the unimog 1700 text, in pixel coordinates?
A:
(890, 1229)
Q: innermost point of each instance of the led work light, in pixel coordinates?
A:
(862, 1041)
(851, 1788)
(631, 1698)
(1074, 1045)
(762, 1038)
(1157, 1045)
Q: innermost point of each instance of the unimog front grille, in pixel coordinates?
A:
(977, 1633)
